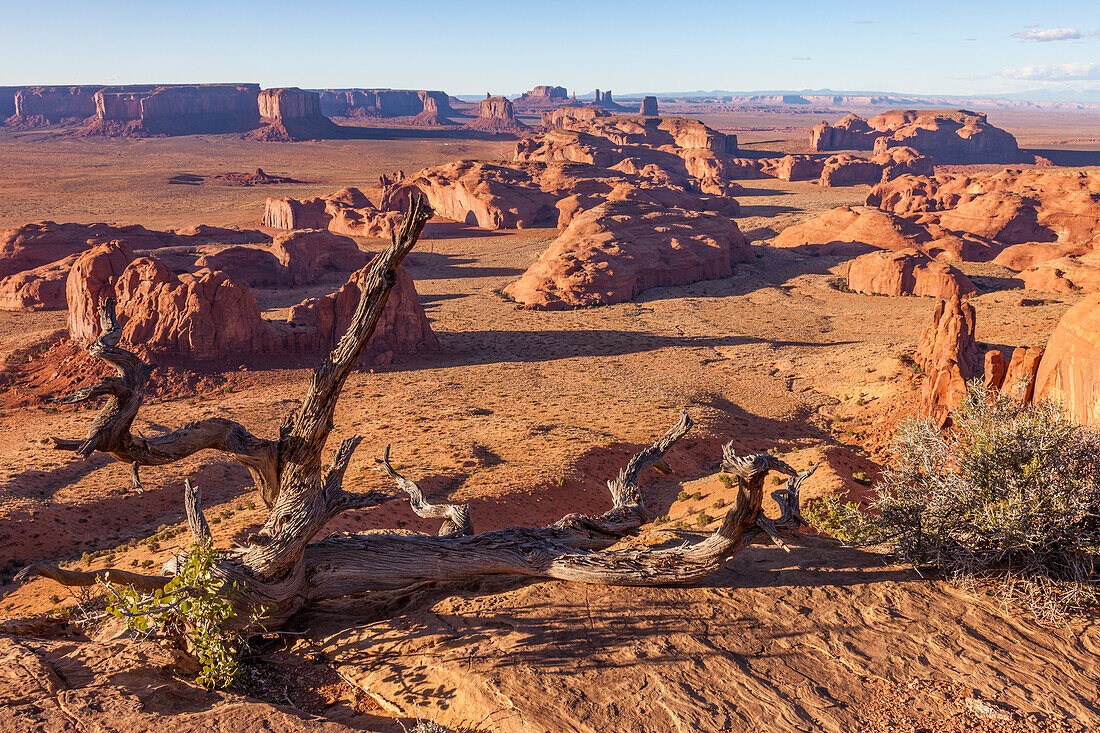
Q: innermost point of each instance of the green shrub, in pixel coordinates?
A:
(192, 608)
(1010, 494)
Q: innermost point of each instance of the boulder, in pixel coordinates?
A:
(1069, 371)
(248, 265)
(42, 288)
(496, 114)
(948, 355)
(307, 253)
(852, 231)
(610, 253)
(906, 272)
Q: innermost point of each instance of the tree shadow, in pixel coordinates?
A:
(439, 266)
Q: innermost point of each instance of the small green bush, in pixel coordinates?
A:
(1010, 494)
(192, 608)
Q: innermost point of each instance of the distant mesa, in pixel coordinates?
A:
(541, 99)
(604, 101)
(173, 110)
(564, 116)
(418, 105)
(948, 136)
(649, 107)
(497, 115)
(291, 114)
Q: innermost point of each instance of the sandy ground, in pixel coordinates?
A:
(524, 415)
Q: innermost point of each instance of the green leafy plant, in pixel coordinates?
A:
(191, 608)
(1010, 495)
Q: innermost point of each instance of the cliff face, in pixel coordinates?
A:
(48, 105)
(496, 114)
(383, 102)
(7, 102)
(174, 110)
(289, 103)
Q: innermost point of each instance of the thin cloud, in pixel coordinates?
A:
(970, 39)
(1057, 72)
(801, 58)
(864, 22)
(1043, 35)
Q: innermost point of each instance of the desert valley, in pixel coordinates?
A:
(461, 521)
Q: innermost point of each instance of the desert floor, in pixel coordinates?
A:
(524, 415)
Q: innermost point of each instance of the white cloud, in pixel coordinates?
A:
(864, 22)
(1057, 72)
(801, 58)
(1048, 34)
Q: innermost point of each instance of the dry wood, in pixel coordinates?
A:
(281, 568)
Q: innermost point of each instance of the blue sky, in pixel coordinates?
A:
(478, 46)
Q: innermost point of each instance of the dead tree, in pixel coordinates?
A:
(280, 568)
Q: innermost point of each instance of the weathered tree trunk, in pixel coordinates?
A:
(280, 568)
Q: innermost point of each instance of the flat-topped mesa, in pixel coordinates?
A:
(7, 102)
(290, 114)
(384, 103)
(948, 136)
(541, 98)
(605, 101)
(496, 114)
(46, 105)
(564, 116)
(174, 110)
(649, 107)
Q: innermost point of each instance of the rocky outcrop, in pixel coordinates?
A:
(44, 242)
(247, 265)
(306, 254)
(52, 105)
(291, 114)
(383, 103)
(907, 272)
(90, 281)
(497, 115)
(794, 167)
(7, 102)
(1019, 378)
(1072, 274)
(947, 136)
(174, 110)
(541, 98)
(42, 288)
(852, 231)
(1069, 372)
(850, 170)
(564, 116)
(347, 211)
(605, 101)
(649, 107)
(948, 356)
(618, 249)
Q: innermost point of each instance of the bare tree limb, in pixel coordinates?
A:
(456, 517)
(192, 505)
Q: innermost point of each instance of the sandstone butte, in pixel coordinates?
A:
(590, 264)
(205, 314)
(947, 136)
(496, 115)
(948, 355)
(407, 103)
(174, 110)
(906, 272)
(542, 98)
(291, 114)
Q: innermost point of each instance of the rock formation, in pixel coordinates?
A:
(347, 211)
(52, 105)
(564, 116)
(42, 288)
(246, 265)
(947, 136)
(1071, 274)
(649, 107)
(90, 281)
(612, 252)
(307, 253)
(948, 355)
(496, 114)
(40, 243)
(383, 103)
(1069, 372)
(174, 110)
(290, 114)
(850, 170)
(906, 272)
(851, 231)
(541, 98)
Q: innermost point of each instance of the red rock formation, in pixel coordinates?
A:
(290, 114)
(51, 105)
(564, 116)
(383, 102)
(496, 114)
(649, 107)
(1020, 257)
(948, 136)
(174, 110)
(92, 279)
(948, 355)
(851, 133)
(42, 288)
(1069, 372)
(907, 272)
(306, 254)
(847, 231)
(993, 376)
(902, 160)
(7, 102)
(794, 167)
(1065, 274)
(248, 265)
(541, 98)
(616, 250)
(848, 170)
(347, 211)
(34, 245)
(1019, 378)
(431, 115)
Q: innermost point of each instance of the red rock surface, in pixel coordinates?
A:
(648, 107)
(1065, 274)
(564, 116)
(248, 265)
(173, 110)
(42, 288)
(306, 254)
(907, 272)
(1069, 372)
(948, 355)
(347, 211)
(290, 114)
(383, 102)
(616, 250)
(1019, 378)
(50, 105)
(34, 245)
(90, 281)
(851, 133)
(849, 230)
(541, 98)
(496, 114)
